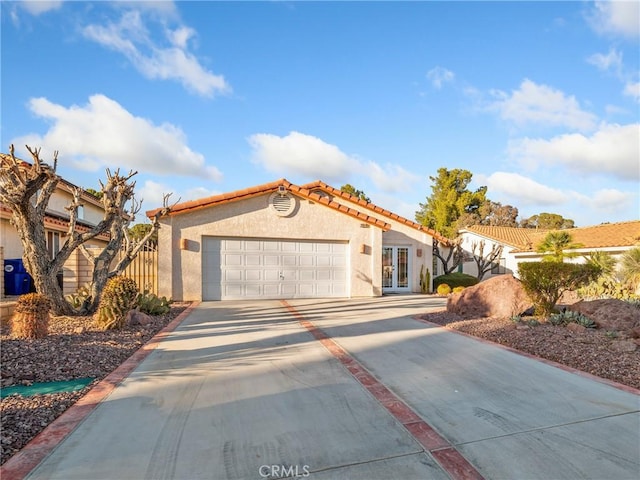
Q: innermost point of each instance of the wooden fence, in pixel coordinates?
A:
(144, 269)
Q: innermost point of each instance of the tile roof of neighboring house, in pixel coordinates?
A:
(56, 222)
(62, 184)
(620, 234)
(318, 185)
(216, 200)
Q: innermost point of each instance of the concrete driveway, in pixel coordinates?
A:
(353, 389)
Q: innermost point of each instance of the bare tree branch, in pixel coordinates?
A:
(485, 262)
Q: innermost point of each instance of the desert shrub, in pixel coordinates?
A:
(455, 280)
(569, 316)
(31, 316)
(458, 289)
(151, 304)
(77, 299)
(443, 289)
(119, 296)
(545, 282)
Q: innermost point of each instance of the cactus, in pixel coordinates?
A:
(425, 279)
(119, 296)
(443, 289)
(458, 289)
(31, 316)
(151, 304)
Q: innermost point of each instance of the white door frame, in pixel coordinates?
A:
(396, 269)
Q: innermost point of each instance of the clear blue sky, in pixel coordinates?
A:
(539, 100)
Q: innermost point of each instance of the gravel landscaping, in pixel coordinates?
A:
(75, 350)
(605, 354)
(72, 350)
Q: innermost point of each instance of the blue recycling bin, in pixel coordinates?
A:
(16, 279)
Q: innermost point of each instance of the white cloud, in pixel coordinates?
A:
(541, 104)
(311, 157)
(632, 89)
(609, 201)
(440, 75)
(616, 17)
(613, 150)
(171, 62)
(104, 134)
(521, 190)
(301, 154)
(151, 192)
(610, 61)
(38, 7)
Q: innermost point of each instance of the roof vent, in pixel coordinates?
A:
(282, 203)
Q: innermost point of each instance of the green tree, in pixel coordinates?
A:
(545, 282)
(350, 189)
(630, 267)
(498, 215)
(95, 193)
(140, 230)
(450, 200)
(547, 221)
(554, 246)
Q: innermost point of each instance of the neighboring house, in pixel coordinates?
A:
(56, 226)
(280, 240)
(520, 243)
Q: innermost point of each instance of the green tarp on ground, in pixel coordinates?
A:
(46, 387)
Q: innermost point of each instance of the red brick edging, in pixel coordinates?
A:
(450, 459)
(20, 464)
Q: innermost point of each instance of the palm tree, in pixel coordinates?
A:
(630, 266)
(603, 260)
(555, 244)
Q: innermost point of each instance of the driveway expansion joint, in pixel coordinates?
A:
(444, 453)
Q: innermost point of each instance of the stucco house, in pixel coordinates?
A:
(56, 226)
(519, 244)
(280, 240)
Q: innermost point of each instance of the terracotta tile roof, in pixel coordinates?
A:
(216, 200)
(620, 234)
(318, 185)
(55, 222)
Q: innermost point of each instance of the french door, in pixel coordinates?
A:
(395, 269)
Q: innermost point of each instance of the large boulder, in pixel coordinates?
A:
(501, 296)
(610, 314)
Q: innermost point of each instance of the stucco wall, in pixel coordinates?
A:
(180, 271)
(60, 199)
(10, 240)
(402, 235)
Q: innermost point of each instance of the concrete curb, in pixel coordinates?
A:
(20, 464)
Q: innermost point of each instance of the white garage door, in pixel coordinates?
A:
(239, 268)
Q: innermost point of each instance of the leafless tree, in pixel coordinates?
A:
(26, 189)
(454, 256)
(485, 262)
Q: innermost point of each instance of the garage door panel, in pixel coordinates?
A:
(233, 275)
(271, 275)
(252, 245)
(266, 268)
(232, 259)
(271, 260)
(253, 275)
(252, 259)
(306, 275)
